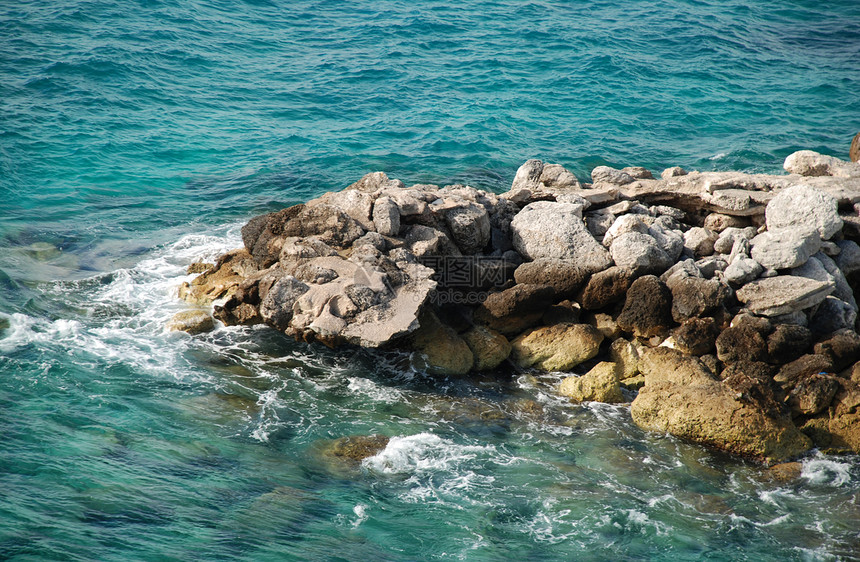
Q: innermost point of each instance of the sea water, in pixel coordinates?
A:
(137, 137)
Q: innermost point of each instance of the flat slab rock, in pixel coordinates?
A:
(783, 294)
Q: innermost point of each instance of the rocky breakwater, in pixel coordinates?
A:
(721, 303)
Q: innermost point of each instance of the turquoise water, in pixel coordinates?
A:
(137, 137)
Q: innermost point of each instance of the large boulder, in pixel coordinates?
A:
(555, 230)
(812, 394)
(605, 174)
(696, 336)
(647, 310)
(787, 342)
(854, 151)
(842, 349)
(803, 206)
(469, 225)
(812, 164)
(683, 398)
(221, 280)
(556, 348)
(744, 340)
(264, 235)
(386, 216)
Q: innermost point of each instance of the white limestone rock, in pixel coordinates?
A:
(785, 247)
(546, 229)
(640, 252)
(805, 207)
(783, 294)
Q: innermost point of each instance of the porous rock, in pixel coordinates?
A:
(812, 394)
(744, 340)
(696, 336)
(696, 297)
(605, 288)
(647, 309)
(842, 349)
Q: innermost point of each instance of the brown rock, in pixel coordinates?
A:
(605, 288)
(803, 367)
(666, 365)
(513, 310)
(695, 296)
(626, 355)
(838, 429)
(753, 382)
(812, 394)
(787, 343)
(744, 340)
(785, 472)
(556, 348)
(198, 267)
(843, 349)
(221, 280)
(647, 309)
(565, 312)
(355, 448)
(564, 276)
(605, 323)
(696, 336)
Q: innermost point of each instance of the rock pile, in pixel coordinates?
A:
(727, 300)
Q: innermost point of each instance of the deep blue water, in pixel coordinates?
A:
(137, 136)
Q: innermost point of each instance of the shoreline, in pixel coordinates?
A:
(724, 302)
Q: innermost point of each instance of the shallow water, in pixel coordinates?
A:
(137, 137)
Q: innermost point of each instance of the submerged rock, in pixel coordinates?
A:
(600, 384)
(191, 321)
